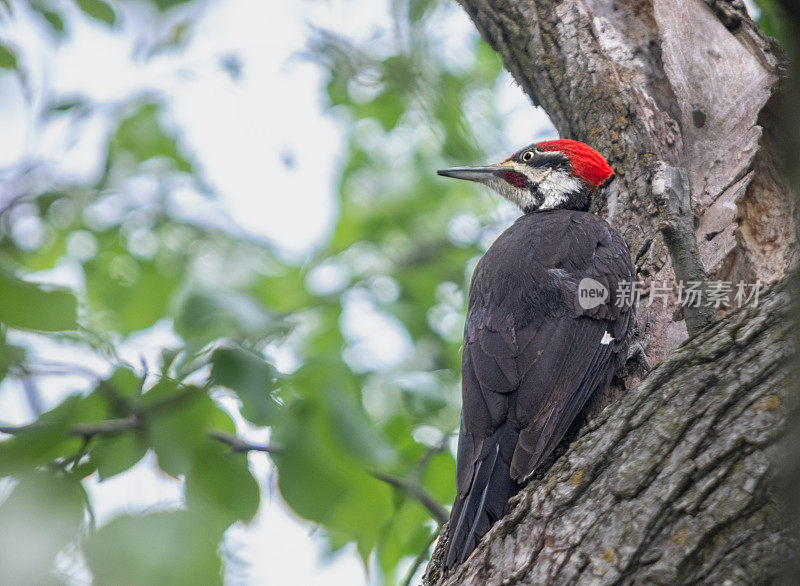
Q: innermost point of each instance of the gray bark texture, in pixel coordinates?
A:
(654, 84)
(675, 483)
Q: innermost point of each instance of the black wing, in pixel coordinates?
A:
(525, 381)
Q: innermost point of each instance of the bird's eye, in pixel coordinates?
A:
(527, 155)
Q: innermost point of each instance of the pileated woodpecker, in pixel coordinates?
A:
(546, 327)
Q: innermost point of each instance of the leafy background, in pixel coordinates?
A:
(152, 336)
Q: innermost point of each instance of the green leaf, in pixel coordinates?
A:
(251, 378)
(43, 513)
(167, 4)
(424, 399)
(488, 64)
(115, 454)
(387, 108)
(53, 19)
(219, 484)
(69, 104)
(177, 424)
(51, 436)
(325, 485)
(329, 447)
(8, 57)
(31, 306)
(99, 10)
(179, 419)
(176, 548)
(208, 315)
(176, 39)
(142, 136)
(439, 477)
(285, 292)
(329, 391)
(10, 355)
(418, 9)
(123, 384)
(124, 294)
(406, 533)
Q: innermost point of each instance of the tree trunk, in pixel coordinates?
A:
(654, 84)
(672, 484)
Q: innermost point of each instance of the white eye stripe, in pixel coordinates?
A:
(555, 185)
(533, 174)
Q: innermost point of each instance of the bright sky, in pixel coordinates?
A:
(239, 132)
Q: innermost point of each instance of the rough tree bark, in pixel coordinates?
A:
(673, 483)
(654, 83)
(669, 486)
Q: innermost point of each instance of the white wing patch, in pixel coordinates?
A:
(607, 339)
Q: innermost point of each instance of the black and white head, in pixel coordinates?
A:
(549, 175)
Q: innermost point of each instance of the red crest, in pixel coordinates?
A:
(586, 162)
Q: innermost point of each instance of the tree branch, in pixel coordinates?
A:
(132, 422)
(237, 444)
(670, 189)
(108, 427)
(415, 491)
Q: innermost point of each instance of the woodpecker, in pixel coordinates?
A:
(546, 327)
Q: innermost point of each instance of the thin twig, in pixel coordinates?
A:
(13, 202)
(430, 453)
(437, 511)
(423, 555)
(32, 395)
(107, 427)
(53, 369)
(15, 429)
(237, 444)
(132, 422)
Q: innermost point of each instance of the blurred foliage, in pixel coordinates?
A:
(8, 57)
(773, 21)
(98, 9)
(404, 243)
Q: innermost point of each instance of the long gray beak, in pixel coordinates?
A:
(469, 173)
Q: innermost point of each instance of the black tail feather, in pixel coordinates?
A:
(476, 511)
